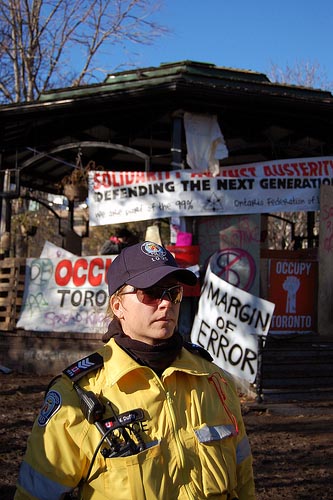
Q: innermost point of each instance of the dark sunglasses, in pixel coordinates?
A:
(155, 294)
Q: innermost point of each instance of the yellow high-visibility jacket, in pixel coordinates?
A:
(195, 442)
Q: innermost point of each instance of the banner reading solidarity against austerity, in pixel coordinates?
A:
(67, 294)
(275, 186)
(227, 324)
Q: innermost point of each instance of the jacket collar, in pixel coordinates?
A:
(121, 364)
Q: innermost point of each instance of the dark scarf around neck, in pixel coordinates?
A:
(158, 357)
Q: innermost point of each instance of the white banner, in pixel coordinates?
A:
(275, 186)
(228, 323)
(67, 294)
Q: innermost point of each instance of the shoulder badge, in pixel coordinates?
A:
(52, 404)
(197, 349)
(85, 365)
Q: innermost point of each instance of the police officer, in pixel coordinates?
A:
(147, 416)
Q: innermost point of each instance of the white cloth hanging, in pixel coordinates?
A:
(205, 142)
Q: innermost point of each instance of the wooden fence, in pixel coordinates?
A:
(12, 275)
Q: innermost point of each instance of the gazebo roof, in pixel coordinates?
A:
(125, 122)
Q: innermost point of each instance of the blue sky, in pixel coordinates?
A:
(250, 35)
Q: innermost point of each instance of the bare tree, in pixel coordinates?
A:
(303, 73)
(52, 43)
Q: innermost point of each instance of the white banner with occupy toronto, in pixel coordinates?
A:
(275, 186)
(67, 294)
(228, 323)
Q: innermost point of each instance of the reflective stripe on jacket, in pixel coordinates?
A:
(196, 445)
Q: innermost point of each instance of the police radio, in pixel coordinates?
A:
(116, 432)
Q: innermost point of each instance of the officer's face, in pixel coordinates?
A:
(146, 316)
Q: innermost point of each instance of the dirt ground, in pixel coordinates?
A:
(292, 444)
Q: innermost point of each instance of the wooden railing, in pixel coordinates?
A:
(295, 367)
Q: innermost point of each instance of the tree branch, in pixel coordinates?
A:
(40, 39)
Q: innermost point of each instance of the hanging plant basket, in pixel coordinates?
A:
(75, 185)
(77, 192)
(29, 231)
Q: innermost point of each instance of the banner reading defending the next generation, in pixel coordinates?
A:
(279, 185)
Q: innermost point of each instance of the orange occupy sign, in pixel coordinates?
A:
(291, 288)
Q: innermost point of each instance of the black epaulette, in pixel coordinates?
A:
(80, 368)
(85, 365)
(197, 349)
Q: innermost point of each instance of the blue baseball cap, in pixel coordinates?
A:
(144, 264)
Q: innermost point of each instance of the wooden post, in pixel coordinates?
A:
(176, 148)
(325, 274)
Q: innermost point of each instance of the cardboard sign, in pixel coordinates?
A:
(228, 323)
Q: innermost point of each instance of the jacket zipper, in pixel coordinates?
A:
(178, 443)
